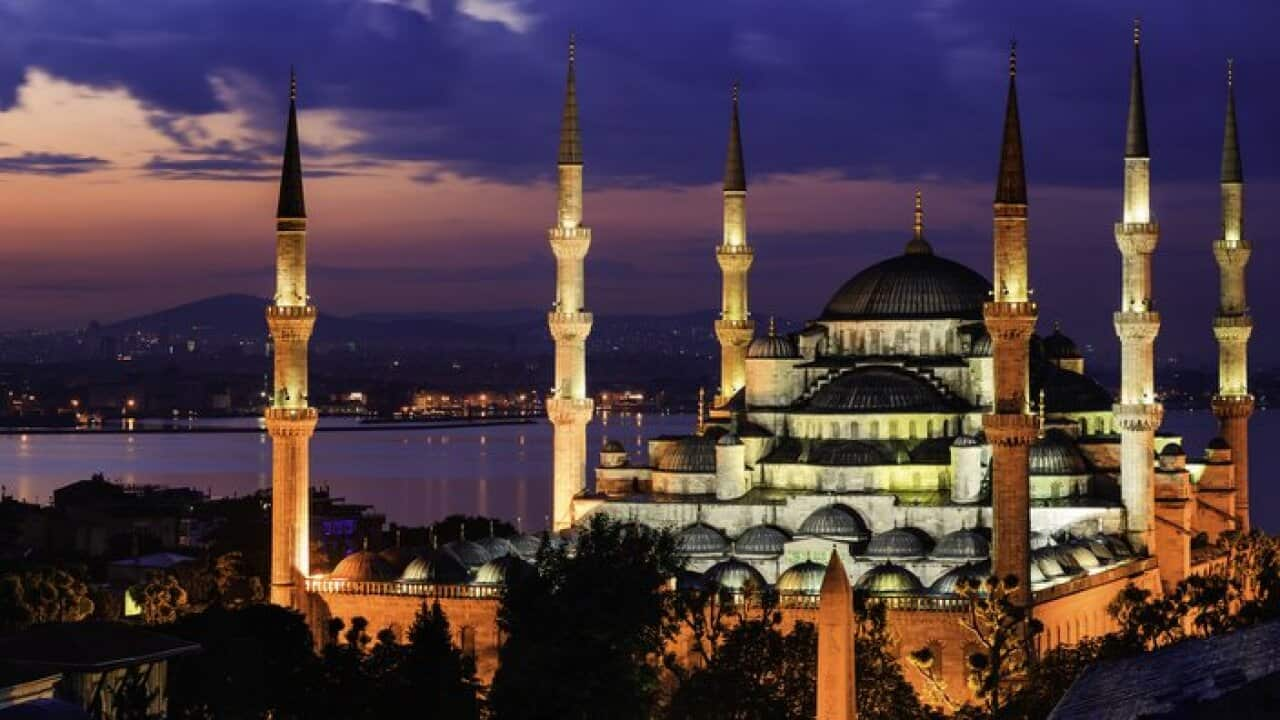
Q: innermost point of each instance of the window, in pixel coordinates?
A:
(467, 641)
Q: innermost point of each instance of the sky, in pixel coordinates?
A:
(140, 144)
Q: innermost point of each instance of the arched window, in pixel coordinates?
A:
(853, 430)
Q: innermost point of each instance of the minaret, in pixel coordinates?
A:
(1233, 404)
(1138, 414)
(569, 408)
(837, 682)
(735, 328)
(290, 421)
(1010, 318)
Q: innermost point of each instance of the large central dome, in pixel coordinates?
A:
(914, 285)
(911, 286)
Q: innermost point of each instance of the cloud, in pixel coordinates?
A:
(55, 164)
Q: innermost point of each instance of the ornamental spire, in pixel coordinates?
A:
(1011, 182)
(570, 138)
(1231, 170)
(291, 204)
(918, 245)
(1135, 144)
(735, 174)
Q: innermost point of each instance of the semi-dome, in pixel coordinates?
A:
(889, 579)
(773, 347)
(734, 575)
(803, 579)
(693, 454)
(472, 554)
(701, 539)
(1060, 347)
(613, 446)
(440, 566)
(761, 540)
(845, 453)
(911, 286)
(882, 388)
(363, 565)
(503, 570)
(963, 544)
(900, 542)
(838, 521)
(949, 582)
(1067, 391)
(1057, 454)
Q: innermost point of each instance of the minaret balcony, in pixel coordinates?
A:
(1232, 406)
(1137, 325)
(569, 243)
(1011, 430)
(1232, 328)
(1138, 417)
(569, 327)
(736, 333)
(1137, 238)
(735, 258)
(291, 422)
(569, 411)
(291, 322)
(1232, 254)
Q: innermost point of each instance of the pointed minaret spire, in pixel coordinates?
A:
(918, 245)
(1011, 184)
(291, 204)
(1231, 170)
(735, 174)
(1135, 144)
(570, 138)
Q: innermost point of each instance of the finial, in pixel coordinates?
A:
(918, 245)
(1057, 327)
(1013, 57)
(735, 88)
(462, 531)
(918, 225)
(573, 47)
(1137, 31)
(1040, 411)
(1230, 71)
(293, 84)
(702, 394)
(490, 527)
(366, 543)
(773, 328)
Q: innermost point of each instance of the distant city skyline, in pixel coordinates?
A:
(139, 151)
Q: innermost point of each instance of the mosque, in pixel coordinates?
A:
(919, 427)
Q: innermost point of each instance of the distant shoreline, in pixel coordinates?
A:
(194, 430)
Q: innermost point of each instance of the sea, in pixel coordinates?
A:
(415, 475)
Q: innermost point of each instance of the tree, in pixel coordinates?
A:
(433, 671)
(883, 691)
(234, 585)
(161, 598)
(586, 632)
(42, 595)
(1002, 630)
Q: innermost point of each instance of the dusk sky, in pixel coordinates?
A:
(140, 142)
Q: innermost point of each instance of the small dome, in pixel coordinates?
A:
(1057, 454)
(500, 571)
(838, 521)
(882, 388)
(694, 454)
(701, 539)
(1047, 560)
(981, 345)
(1218, 443)
(1119, 547)
(1068, 391)
(364, 566)
(613, 446)
(472, 554)
(803, 579)
(496, 547)
(965, 544)
(440, 566)
(1060, 347)
(728, 440)
(1039, 540)
(949, 582)
(734, 575)
(761, 540)
(1075, 558)
(1172, 450)
(966, 441)
(900, 542)
(399, 556)
(525, 545)
(772, 347)
(1037, 576)
(1100, 550)
(889, 579)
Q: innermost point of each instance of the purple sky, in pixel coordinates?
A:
(139, 146)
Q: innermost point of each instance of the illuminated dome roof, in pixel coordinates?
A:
(761, 540)
(701, 539)
(694, 454)
(525, 545)
(1119, 547)
(968, 544)
(948, 583)
(839, 521)
(501, 570)
(1046, 559)
(1076, 557)
(472, 554)
(496, 547)
(1060, 347)
(911, 286)
(734, 575)
(399, 556)
(889, 579)
(613, 446)
(1067, 391)
(772, 347)
(900, 543)
(363, 565)
(1172, 450)
(802, 579)
(1056, 454)
(882, 388)
(438, 567)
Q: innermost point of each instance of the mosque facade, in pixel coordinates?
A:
(919, 431)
